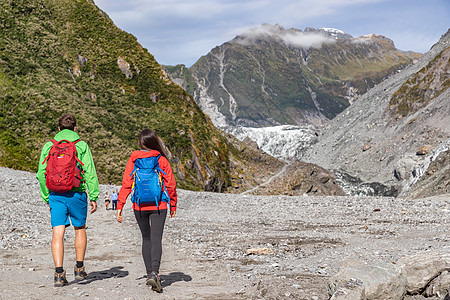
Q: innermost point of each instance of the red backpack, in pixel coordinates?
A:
(61, 173)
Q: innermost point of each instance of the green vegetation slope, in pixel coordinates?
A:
(60, 56)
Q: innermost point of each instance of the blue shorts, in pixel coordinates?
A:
(65, 205)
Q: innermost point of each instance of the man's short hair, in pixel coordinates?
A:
(67, 121)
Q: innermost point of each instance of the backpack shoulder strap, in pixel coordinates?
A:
(158, 167)
(48, 155)
(76, 157)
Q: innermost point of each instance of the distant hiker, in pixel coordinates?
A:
(66, 169)
(150, 213)
(107, 200)
(114, 199)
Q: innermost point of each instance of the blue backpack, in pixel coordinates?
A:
(148, 184)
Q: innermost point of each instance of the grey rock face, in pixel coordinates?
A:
(391, 159)
(440, 286)
(124, 66)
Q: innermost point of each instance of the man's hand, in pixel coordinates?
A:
(172, 214)
(119, 216)
(93, 206)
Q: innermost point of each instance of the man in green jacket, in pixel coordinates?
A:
(71, 204)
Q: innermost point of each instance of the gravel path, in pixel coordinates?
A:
(205, 244)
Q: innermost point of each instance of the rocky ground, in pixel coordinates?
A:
(302, 241)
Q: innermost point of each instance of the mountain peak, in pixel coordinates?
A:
(372, 37)
(330, 32)
(290, 37)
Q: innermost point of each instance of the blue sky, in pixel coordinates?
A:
(181, 31)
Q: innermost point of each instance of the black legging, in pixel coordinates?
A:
(151, 224)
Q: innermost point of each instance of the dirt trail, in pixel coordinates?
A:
(115, 267)
(286, 165)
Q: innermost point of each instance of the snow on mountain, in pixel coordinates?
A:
(333, 30)
(284, 142)
(330, 32)
(335, 33)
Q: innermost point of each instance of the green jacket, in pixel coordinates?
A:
(83, 153)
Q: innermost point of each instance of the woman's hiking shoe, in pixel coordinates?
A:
(60, 279)
(154, 280)
(80, 273)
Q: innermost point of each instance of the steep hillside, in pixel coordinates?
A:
(393, 134)
(271, 75)
(427, 84)
(68, 56)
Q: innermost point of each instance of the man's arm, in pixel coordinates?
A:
(41, 172)
(90, 175)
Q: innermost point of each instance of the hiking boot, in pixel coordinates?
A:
(154, 280)
(60, 279)
(80, 273)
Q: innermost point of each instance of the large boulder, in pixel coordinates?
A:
(424, 274)
(420, 269)
(383, 281)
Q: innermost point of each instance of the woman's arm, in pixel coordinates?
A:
(127, 182)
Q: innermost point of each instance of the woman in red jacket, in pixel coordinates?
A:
(150, 217)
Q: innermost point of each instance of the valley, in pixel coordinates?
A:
(371, 145)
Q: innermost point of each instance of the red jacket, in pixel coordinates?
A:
(169, 182)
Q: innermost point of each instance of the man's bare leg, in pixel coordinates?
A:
(80, 250)
(58, 245)
(80, 242)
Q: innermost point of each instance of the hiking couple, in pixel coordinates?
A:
(66, 170)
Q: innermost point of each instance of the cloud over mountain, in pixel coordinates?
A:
(291, 37)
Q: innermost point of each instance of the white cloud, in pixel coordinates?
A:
(293, 38)
(307, 40)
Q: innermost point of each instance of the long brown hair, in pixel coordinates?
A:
(149, 140)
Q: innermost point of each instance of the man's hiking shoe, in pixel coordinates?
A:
(80, 273)
(60, 279)
(154, 280)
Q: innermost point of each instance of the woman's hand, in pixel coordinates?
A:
(172, 214)
(119, 216)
